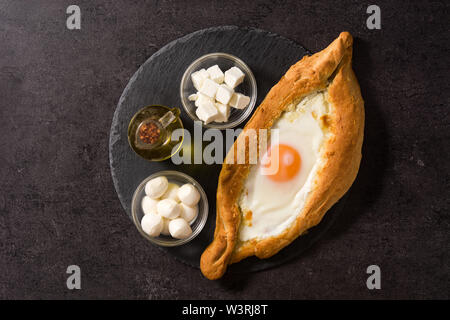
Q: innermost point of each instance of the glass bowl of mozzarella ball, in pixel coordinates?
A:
(219, 90)
(169, 208)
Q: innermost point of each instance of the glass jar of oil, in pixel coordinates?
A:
(150, 132)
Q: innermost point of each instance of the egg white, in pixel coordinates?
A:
(275, 205)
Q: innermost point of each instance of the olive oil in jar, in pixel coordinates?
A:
(150, 132)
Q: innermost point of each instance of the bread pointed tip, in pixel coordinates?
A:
(346, 39)
(210, 267)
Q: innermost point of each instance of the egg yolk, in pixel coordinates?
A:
(281, 163)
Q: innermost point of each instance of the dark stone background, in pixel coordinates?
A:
(59, 89)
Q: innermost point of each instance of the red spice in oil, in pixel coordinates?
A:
(149, 132)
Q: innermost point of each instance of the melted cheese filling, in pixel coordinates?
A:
(268, 207)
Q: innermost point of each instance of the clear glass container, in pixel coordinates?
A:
(224, 61)
(163, 119)
(180, 179)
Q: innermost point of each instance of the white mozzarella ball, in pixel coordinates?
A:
(189, 213)
(152, 224)
(171, 192)
(168, 208)
(165, 228)
(188, 194)
(179, 228)
(149, 205)
(156, 187)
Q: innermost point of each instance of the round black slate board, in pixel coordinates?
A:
(157, 82)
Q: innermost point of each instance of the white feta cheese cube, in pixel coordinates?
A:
(215, 74)
(204, 73)
(199, 77)
(224, 94)
(201, 98)
(234, 77)
(192, 97)
(224, 112)
(239, 101)
(207, 112)
(209, 88)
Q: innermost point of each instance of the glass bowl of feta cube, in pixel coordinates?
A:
(219, 90)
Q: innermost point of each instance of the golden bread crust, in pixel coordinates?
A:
(328, 69)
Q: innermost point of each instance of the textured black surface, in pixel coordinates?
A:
(58, 206)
